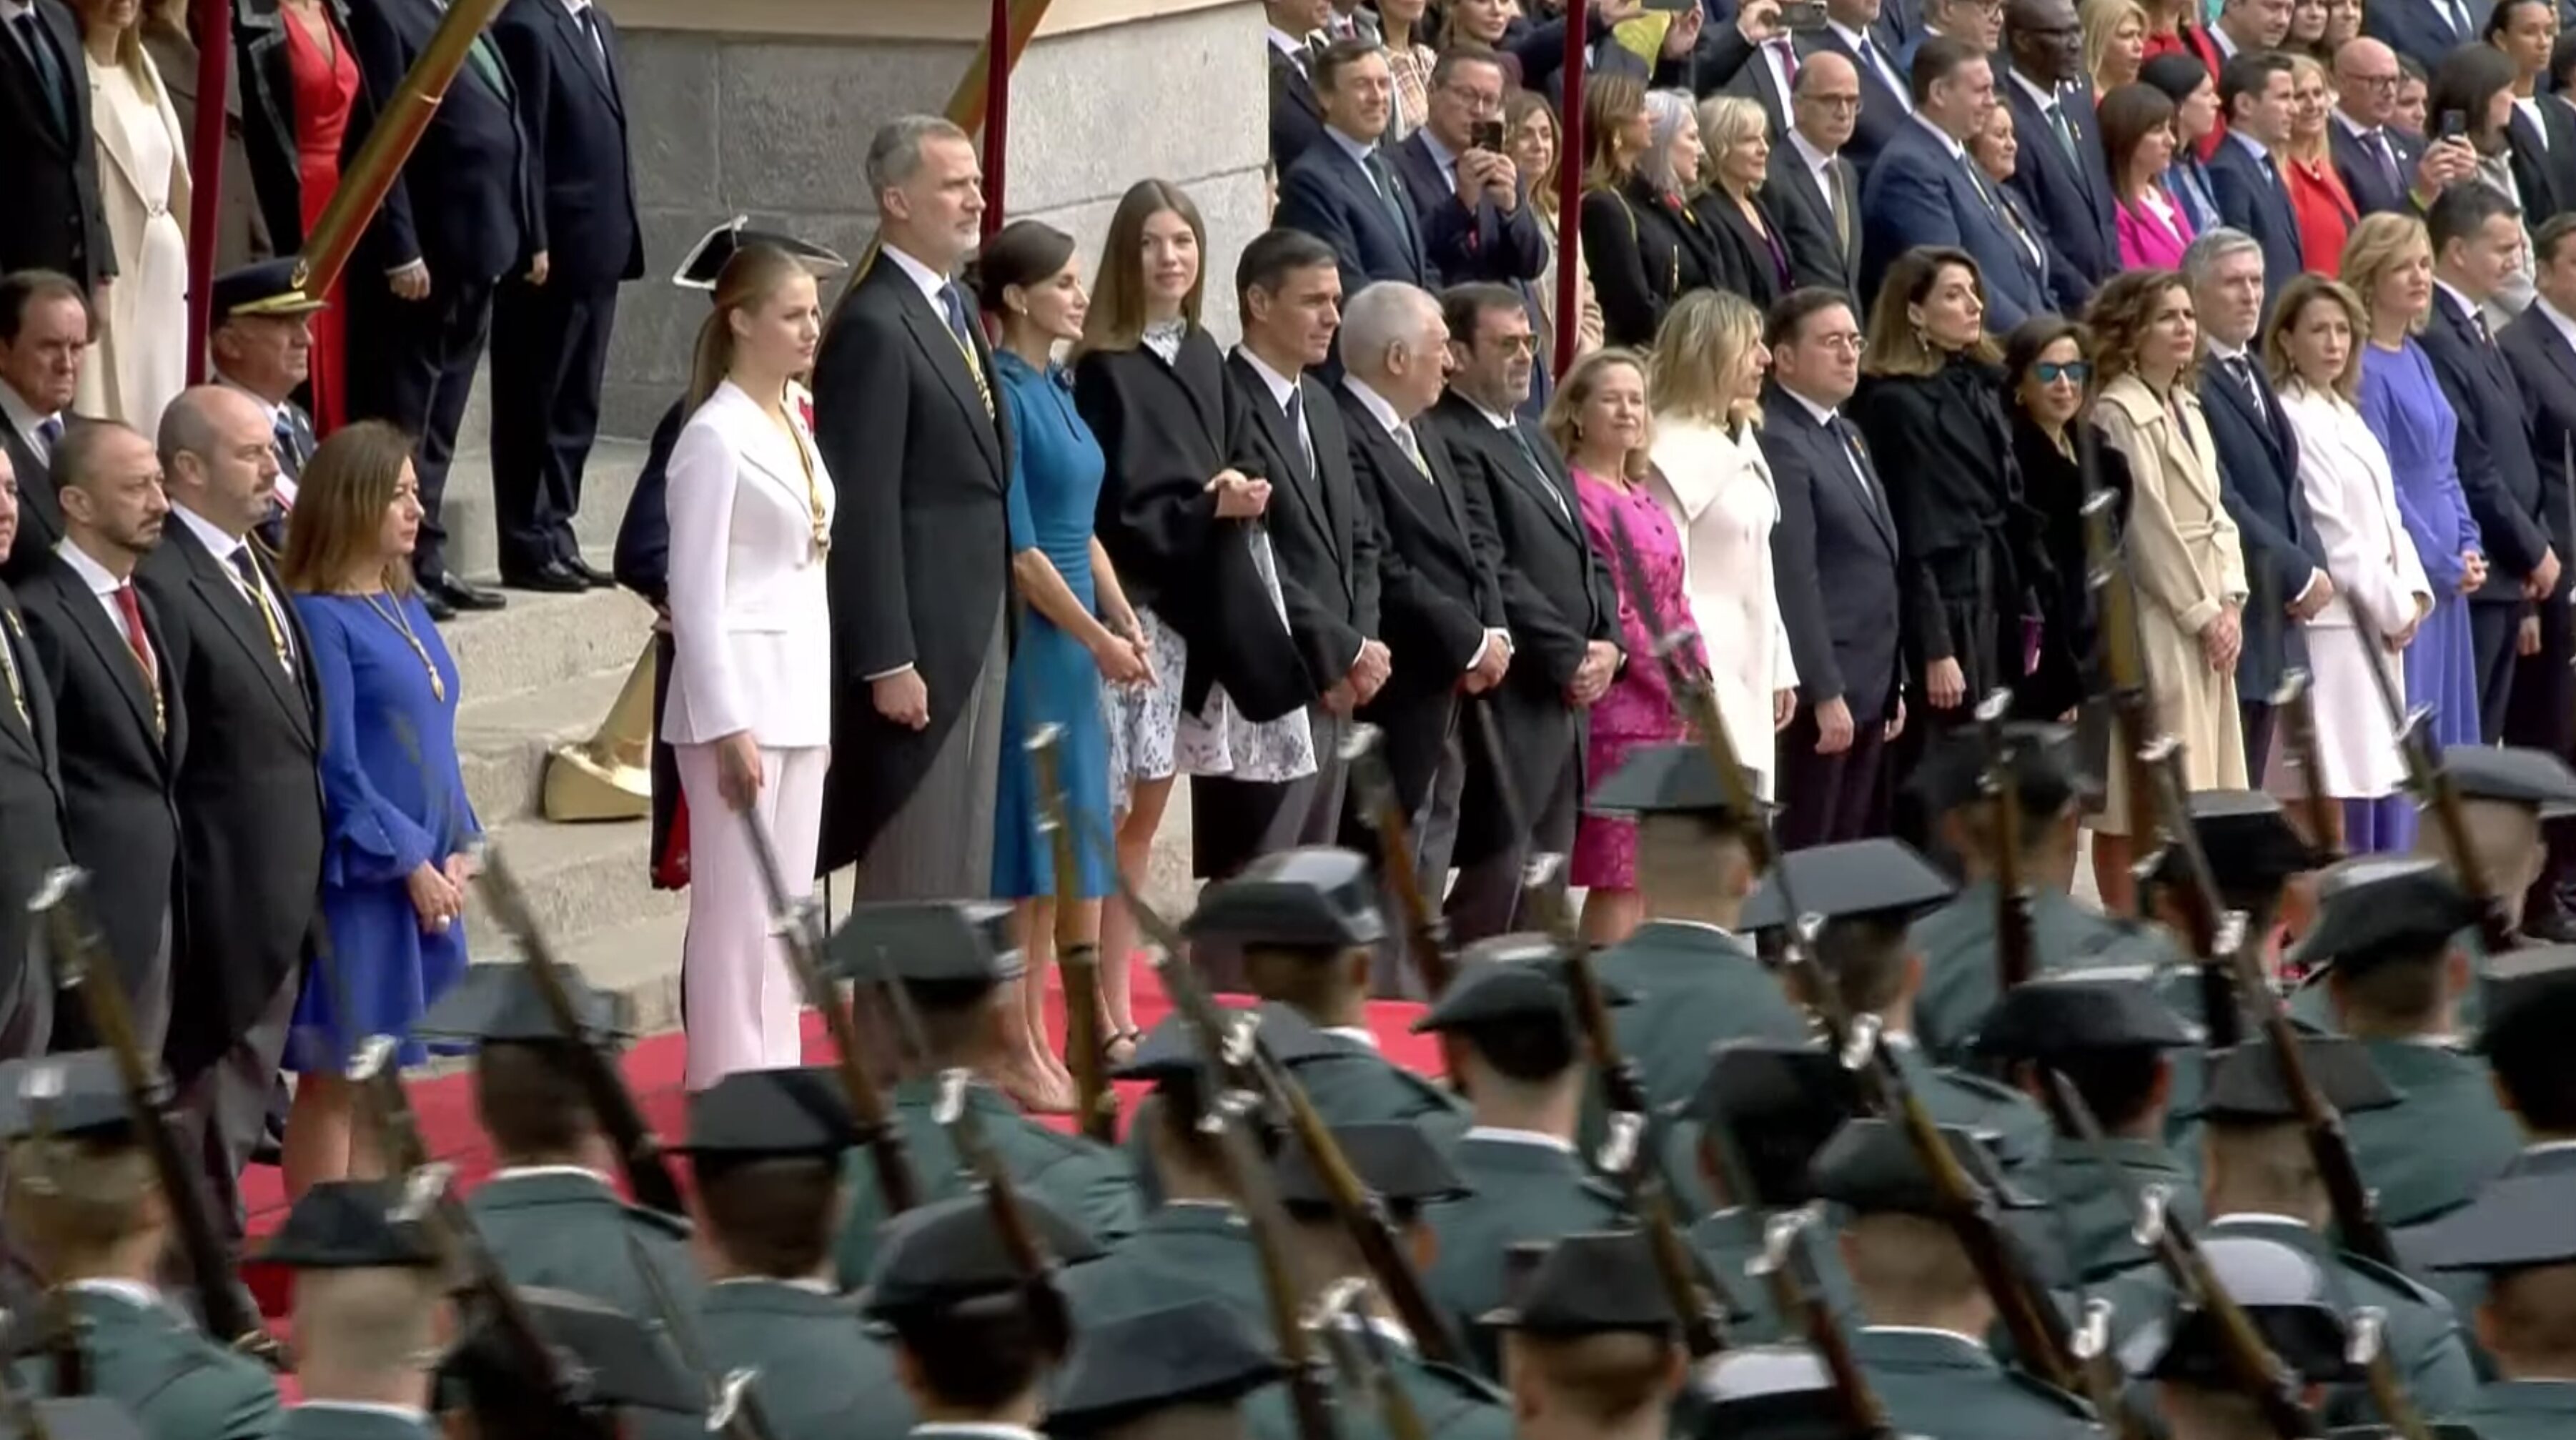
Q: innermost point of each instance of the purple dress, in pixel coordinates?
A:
(2403, 405)
(1638, 707)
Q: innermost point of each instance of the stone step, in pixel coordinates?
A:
(608, 482)
(502, 743)
(541, 641)
(579, 879)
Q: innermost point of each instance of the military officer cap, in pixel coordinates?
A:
(706, 260)
(1855, 880)
(2251, 845)
(2530, 999)
(75, 1093)
(2515, 774)
(263, 288)
(1170, 1052)
(2245, 1081)
(352, 1225)
(1870, 1167)
(2042, 757)
(1507, 978)
(603, 1356)
(1599, 1283)
(969, 944)
(1394, 1161)
(79, 1417)
(2378, 909)
(798, 1112)
(503, 1004)
(949, 1252)
(2520, 1222)
(1202, 1352)
(1317, 896)
(2058, 1016)
(1666, 780)
(1773, 1105)
(1768, 1392)
(2281, 1289)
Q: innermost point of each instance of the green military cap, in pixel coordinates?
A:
(1199, 1353)
(80, 1417)
(2530, 998)
(1170, 1051)
(1589, 1284)
(2055, 1016)
(1509, 977)
(2516, 774)
(2245, 1081)
(495, 1004)
(75, 1093)
(1768, 1392)
(1952, 771)
(603, 1357)
(2377, 909)
(1869, 1166)
(1318, 895)
(952, 1251)
(352, 1225)
(1395, 1161)
(1665, 780)
(2248, 838)
(1776, 1104)
(770, 1114)
(1854, 880)
(2282, 1290)
(2520, 1222)
(929, 942)
(705, 262)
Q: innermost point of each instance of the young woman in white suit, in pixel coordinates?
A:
(750, 705)
(2314, 354)
(1704, 385)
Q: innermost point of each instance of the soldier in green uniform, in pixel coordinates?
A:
(976, 1339)
(2258, 1180)
(2384, 937)
(1179, 1371)
(370, 1313)
(2180, 1352)
(2520, 1234)
(1591, 1343)
(1754, 1128)
(83, 1207)
(550, 1214)
(1769, 1392)
(1923, 1347)
(955, 961)
(2114, 1041)
(1957, 941)
(616, 1374)
(1521, 1052)
(2254, 854)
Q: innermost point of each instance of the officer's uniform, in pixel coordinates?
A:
(627, 1370)
(2515, 1227)
(1198, 1359)
(2284, 1294)
(354, 1225)
(1766, 1108)
(951, 956)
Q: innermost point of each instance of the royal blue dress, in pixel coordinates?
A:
(1055, 487)
(393, 797)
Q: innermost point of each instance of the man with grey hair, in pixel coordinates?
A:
(908, 421)
(248, 788)
(2258, 472)
(1440, 605)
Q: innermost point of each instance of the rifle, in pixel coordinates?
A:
(1001, 1193)
(82, 961)
(1228, 1120)
(2015, 958)
(803, 942)
(1339, 1319)
(1425, 927)
(1077, 954)
(1796, 1291)
(640, 1156)
(2369, 1352)
(2296, 701)
(733, 1406)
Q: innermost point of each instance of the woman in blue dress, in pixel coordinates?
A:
(399, 830)
(2388, 262)
(1080, 629)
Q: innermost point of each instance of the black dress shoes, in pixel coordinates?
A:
(552, 578)
(595, 577)
(457, 595)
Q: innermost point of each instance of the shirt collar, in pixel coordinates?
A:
(267, 407)
(1374, 403)
(92, 573)
(1817, 159)
(933, 284)
(2458, 301)
(1358, 150)
(2048, 99)
(1717, 930)
(2352, 127)
(2225, 42)
(2222, 352)
(1441, 155)
(2261, 150)
(21, 414)
(1503, 1136)
(1823, 415)
(1957, 151)
(1498, 421)
(1281, 386)
(1953, 1336)
(809, 1283)
(208, 533)
(1356, 1034)
(983, 1431)
(529, 1172)
(404, 1413)
(574, 8)
(1853, 38)
(132, 1292)
(1280, 40)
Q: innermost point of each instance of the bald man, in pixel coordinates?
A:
(31, 808)
(2385, 169)
(248, 790)
(1813, 192)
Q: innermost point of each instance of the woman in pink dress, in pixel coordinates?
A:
(1598, 421)
(2138, 138)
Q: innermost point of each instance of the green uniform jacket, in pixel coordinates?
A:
(568, 1231)
(1523, 1190)
(1949, 1387)
(821, 1376)
(177, 1384)
(312, 1421)
(2443, 1140)
(1730, 1240)
(2091, 1206)
(1957, 943)
(2523, 1410)
(1350, 1083)
(1452, 1403)
(2467, 1289)
(2308, 1004)
(1693, 988)
(1088, 1184)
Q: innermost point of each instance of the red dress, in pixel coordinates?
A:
(2325, 210)
(325, 87)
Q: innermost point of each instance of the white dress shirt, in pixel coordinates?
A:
(223, 547)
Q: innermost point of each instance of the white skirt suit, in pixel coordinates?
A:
(751, 629)
(1718, 489)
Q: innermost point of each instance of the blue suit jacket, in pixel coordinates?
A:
(2371, 192)
(2419, 30)
(1917, 194)
(2259, 205)
(572, 105)
(2258, 473)
(1327, 195)
(2071, 198)
(1465, 245)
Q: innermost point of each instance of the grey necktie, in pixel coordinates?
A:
(1411, 444)
(49, 70)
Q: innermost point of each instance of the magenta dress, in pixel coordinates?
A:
(1638, 708)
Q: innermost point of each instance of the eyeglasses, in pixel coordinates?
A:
(2375, 82)
(2052, 372)
(1835, 103)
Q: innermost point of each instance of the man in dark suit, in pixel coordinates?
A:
(1557, 600)
(44, 332)
(2059, 170)
(1296, 116)
(48, 152)
(2425, 30)
(122, 736)
(420, 293)
(1469, 202)
(2477, 248)
(31, 812)
(1925, 189)
(1289, 292)
(1834, 552)
(2255, 96)
(907, 419)
(2386, 170)
(1343, 191)
(2258, 472)
(1886, 94)
(2541, 346)
(1812, 191)
(260, 332)
(249, 787)
(550, 328)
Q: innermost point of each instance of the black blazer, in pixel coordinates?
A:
(2372, 194)
(1321, 531)
(40, 511)
(119, 771)
(473, 215)
(1644, 254)
(2259, 205)
(921, 546)
(2542, 156)
(2258, 472)
(1165, 429)
(2546, 367)
(1465, 245)
(49, 168)
(1327, 195)
(2053, 485)
(1796, 201)
(2070, 198)
(31, 834)
(268, 118)
(1296, 116)
(2497, 473)
(1745, 261)
(1833, 556)
(572, 108)
(642, 561)
(249, 795)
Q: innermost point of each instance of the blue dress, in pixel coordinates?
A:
(2403, 404)
(393, 797)
(1055, 487)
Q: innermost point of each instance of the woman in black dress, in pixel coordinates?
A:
(1752, 261)
(1645, 246)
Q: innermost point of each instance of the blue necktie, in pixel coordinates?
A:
(50, 430)
(49, 70)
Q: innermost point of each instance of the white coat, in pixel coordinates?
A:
(1719, 491)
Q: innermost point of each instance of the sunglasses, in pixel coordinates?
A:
(2051, 372)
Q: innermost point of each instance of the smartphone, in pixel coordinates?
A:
(2454, 126)
(1486, 135)
(1803, 15)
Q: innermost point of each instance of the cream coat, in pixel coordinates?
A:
(2352, 501)
(2189, 563)
(1719, 491)
(140, 362)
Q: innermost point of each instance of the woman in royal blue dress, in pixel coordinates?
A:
(399, 829)
(1079, 631)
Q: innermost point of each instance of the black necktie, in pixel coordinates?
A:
(1538, 472)
(1843, 432)
(2478, 324)
(1383, 178)
(49, 71)
(1297, 423)
(589, 18)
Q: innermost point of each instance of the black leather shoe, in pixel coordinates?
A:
(552, 578)
(2557, 927)
(436, 604)
(461, 596)
(595, 577)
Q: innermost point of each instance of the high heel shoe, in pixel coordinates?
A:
(1120, 1047)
